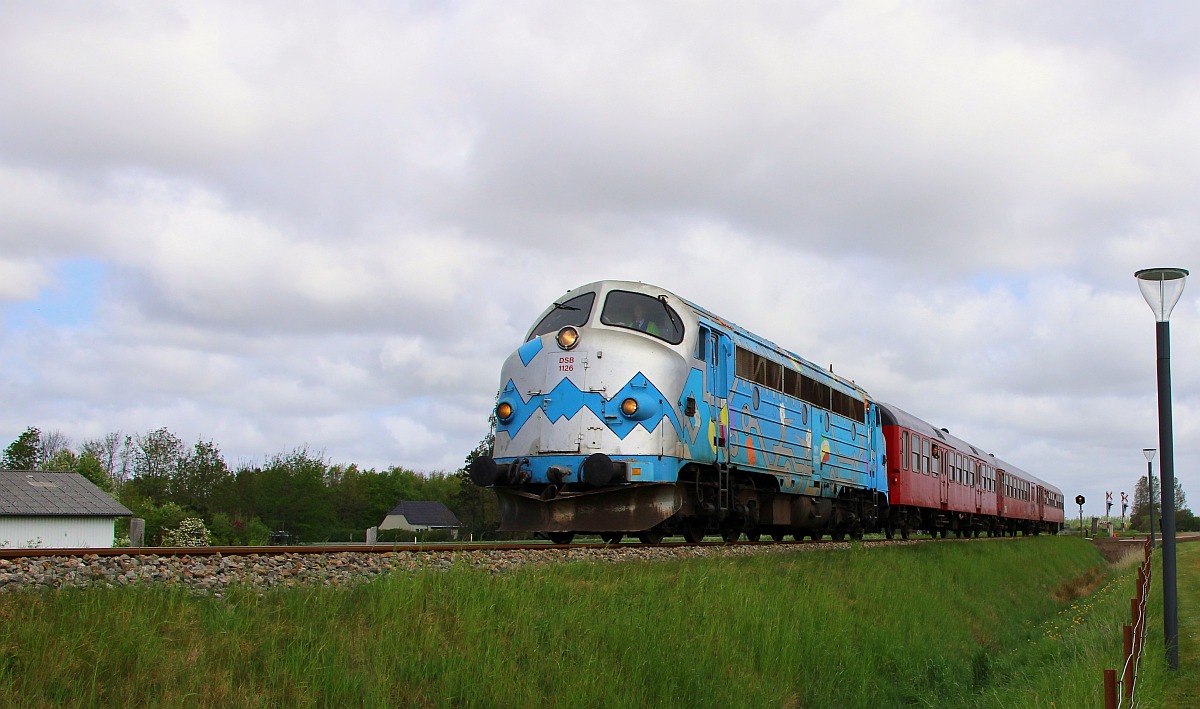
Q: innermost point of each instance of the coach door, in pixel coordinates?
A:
(1041, 502)
(977, 469)
(942, 471)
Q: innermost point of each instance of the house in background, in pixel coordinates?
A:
(417, 516)
(55, 511)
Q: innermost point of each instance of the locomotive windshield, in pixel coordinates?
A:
(642, 312)
(573, 311)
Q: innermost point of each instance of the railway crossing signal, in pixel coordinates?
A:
(1079, 500)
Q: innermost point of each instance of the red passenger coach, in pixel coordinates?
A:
(940, 483)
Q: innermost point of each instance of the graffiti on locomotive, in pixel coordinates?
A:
(628, 410)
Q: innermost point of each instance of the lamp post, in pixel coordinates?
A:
(1161, 287)
(1149, 453)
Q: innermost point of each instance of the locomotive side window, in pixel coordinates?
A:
(573, 311)
(759, 369)
(791, 382)
(644, 313)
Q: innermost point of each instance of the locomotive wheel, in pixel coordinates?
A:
(778, 536)
(857, 534)
(560, 537)
(753, 536)
(816, 535)
(730, 535)
(612, 537)
(651, 537)
(943, 532)
(693, 530)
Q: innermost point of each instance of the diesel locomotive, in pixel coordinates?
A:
(631, 411)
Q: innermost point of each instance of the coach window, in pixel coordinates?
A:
(644, 313)
(916, 453)
(925, 468)
(904, 450)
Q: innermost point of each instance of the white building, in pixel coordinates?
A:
(55, 511)
(420, 516)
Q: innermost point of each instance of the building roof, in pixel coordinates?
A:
(425, 514)
(40, 494)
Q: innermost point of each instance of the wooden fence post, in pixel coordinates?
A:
(1128, 679)
(1110, 689)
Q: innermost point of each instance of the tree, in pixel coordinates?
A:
(1138, 516)
(474, 506)
(23, 453)
(156, 458)
(197, 477)
(90, 468)
(62, 461)
(112, 452)
(293, 495)
(50, 445)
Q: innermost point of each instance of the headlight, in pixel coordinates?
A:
(629, 407)
(504, 411)
(567, 338)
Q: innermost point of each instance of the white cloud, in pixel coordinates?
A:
(329, 225)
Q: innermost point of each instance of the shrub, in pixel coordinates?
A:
(191, 532)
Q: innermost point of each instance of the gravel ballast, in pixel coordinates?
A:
(213, 573)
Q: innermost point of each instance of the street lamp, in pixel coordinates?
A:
(1149, 453)
(1161, 287)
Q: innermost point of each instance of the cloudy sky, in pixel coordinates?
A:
(303, 223)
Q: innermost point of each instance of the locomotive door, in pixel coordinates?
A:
(717, 354)
(719, 365)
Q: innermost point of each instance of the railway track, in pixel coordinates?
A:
(409, 548)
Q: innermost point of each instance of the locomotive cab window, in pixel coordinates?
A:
(573, 311)
(637, 311)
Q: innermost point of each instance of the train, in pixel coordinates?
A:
(629, 410)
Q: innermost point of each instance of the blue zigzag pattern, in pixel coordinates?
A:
(566, 400)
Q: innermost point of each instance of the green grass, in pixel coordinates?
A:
(1183, 687)
(931, 625)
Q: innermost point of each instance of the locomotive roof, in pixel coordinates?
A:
(781, 354)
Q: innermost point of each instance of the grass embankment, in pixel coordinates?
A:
(986, 623)
(1184, 688)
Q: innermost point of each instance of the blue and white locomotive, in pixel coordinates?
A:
(629, 410)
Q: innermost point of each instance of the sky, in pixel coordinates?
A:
(289, 224)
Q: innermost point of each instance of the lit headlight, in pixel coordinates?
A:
(504, 411)
(567, 337)
(629, 407)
